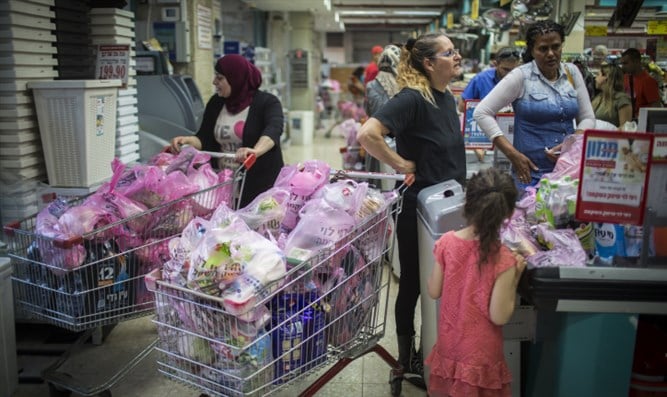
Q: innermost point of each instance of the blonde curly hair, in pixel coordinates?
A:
(411, 72)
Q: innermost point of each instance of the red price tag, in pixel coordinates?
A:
(113, 61)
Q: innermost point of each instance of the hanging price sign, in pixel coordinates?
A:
(113, 62)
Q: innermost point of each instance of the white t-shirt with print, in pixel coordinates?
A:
(229, 134)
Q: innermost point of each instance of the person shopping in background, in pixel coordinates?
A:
(355, 86)
(384, 86)
(241, 119)
(429, 144)
(475, 277)
(505, 60)
(612, 104)
(372, 69)
(547, 96)
(638, 83)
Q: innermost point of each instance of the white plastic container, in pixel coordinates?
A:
(301, 127)
(77, 124)
(8, 365)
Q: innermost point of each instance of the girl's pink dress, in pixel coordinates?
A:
(467, 358)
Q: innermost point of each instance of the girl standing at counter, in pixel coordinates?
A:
(480, 277)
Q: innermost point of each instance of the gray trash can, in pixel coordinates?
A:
(8, 366)
(439, 210)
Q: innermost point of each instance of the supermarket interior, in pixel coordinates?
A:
(130, 268)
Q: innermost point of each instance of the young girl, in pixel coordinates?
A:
(476, 277)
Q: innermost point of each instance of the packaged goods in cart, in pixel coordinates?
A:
(233, 327)
(320, 227)
(80, 263)
(302, 183)
(266, 212)
(352, 301)
(298, 337)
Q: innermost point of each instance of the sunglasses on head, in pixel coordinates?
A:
(507, 54)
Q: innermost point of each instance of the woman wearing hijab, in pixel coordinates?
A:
(384, 86)
(241, 119)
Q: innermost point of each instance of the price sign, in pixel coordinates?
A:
(113, 62)
(473, 136)
(597, 31)
(656, 27)
(614, 177)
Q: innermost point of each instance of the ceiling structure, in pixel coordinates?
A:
(408, 15)
(351, 15)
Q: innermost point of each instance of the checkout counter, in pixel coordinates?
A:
(168, 105)
(586, 327)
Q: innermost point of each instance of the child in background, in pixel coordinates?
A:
(480, 278)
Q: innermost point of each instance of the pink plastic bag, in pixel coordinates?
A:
(302, 185)
(321, 227)
(47, 230)
(344, 194)
(205, 203)
(569, 161)
(265, 213)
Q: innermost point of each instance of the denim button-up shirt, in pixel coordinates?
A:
(544, 111)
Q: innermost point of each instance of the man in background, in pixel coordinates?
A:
(372, 68)
(642, 88)
(505, 61)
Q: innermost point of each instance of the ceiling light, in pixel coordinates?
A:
(362, 12)
(327, 4)
(419, 13)
(336, 17)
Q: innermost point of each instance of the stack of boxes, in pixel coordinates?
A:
(26, 54)
(115, 26)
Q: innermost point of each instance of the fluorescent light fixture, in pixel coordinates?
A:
(417, 13)
(327, 4)
(362, 12)
(336, 17)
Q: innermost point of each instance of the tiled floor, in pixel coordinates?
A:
(367, 376)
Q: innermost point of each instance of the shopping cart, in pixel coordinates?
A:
(330, 308)
(108, 286)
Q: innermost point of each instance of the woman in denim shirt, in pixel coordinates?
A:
(547, 97)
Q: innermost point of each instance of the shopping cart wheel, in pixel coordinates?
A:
(56, 391)
(396, 382)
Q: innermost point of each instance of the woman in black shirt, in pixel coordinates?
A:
(429, 144)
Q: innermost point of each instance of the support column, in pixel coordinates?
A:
(302, 38)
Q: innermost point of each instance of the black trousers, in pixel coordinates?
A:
(408, 254)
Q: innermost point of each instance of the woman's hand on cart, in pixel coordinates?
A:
(246, 156)
(179, 142)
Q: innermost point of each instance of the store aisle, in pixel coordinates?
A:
(365, 377)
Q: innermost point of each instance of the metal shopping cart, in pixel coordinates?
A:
(329, 309)
(90, 281)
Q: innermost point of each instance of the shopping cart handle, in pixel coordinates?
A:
(69, 243)
(249, 161)
(10, 227)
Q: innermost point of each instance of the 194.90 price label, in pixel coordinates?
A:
(113, 62)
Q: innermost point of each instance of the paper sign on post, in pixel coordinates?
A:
(473, 136)
(615, 170)
(113, 62)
